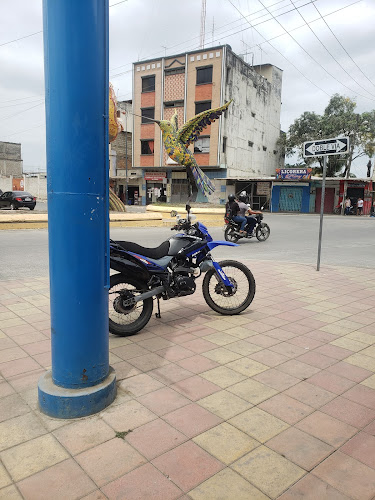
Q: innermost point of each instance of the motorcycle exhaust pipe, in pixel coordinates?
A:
(150, 293)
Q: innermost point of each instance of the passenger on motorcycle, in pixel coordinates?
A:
(232, 210)
(244, 209)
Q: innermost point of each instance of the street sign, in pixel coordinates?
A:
(337, 146)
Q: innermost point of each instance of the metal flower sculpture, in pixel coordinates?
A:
(177, 141)
(114, 127)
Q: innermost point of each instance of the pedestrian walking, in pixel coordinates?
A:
(348, 204)
(359, 206)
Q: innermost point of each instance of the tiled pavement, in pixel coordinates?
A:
(278, 402)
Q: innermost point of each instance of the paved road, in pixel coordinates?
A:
(347, 241)
(41, 206)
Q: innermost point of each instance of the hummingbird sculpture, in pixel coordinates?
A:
(176, 142)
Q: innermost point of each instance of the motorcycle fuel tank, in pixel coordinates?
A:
(187, 243)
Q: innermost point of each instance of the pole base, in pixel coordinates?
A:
(60, 402)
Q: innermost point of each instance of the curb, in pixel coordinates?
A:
(40, 221)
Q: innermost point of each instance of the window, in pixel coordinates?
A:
(148, 84)
(147, 147)
(224, 144)
(174, 104)
(147, 113)
(174, 71)
(202, 106)
(204, 75)
(202, 145)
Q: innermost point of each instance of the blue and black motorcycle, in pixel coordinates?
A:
(170, 270)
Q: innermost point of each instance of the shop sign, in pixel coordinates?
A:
(155, 176)
(294, 174)
(263, 188)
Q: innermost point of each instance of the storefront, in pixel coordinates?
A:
(357, 188)
(258, 192)
(156, 187)
(290, 191)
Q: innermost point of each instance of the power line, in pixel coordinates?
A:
(333, 57)
(290, 62)
(20, 104)
(220, 28)
(23, 98)
(118, 3)
(38, 32)
(311, 57)
(293, 29)
(23, 111)
(347, 53)
(23, 131)
(20, 38)
(222, 34)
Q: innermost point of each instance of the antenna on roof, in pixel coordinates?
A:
(203, 24)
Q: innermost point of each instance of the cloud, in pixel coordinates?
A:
(146, 29)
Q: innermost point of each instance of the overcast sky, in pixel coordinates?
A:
(141, 29)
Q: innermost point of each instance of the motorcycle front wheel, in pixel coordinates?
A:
(216, 295)
(230, 234)
(263, 232)
(127, 320)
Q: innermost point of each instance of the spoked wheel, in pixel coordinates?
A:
(125, 318)
(233, 301)
(263, 231)
(230, 235)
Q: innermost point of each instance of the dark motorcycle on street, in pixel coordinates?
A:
(170, 270)
(232, 230)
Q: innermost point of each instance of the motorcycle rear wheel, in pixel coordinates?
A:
(263, 232)
(125, 321)
(216, 295)
(230, 234)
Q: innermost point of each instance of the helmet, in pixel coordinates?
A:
(231, 197)
(243, 198)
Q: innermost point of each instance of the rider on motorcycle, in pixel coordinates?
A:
(232, 208)
(245, 208)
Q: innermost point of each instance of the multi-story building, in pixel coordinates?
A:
(123, 179)
(242, 144)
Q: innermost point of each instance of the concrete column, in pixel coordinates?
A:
(76, 72)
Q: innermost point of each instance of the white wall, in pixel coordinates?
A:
(37, 186)
(253, 116)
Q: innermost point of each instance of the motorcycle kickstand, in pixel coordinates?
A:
(158, 315)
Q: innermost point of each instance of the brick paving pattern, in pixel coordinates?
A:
(278, 402)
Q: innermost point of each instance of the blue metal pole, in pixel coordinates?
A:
(76, 74)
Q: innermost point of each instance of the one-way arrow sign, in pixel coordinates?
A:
(337, 146)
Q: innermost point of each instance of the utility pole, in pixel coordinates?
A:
(126, 158)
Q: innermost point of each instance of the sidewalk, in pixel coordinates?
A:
(278, 402)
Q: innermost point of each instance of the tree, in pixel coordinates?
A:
(339, 119)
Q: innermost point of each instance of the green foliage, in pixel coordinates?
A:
(339, 119)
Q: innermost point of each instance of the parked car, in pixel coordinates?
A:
(16, 199)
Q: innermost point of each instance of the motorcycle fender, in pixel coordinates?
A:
(213, 244)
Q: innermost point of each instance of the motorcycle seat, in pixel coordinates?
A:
(152, 253)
